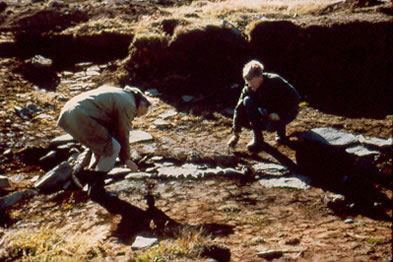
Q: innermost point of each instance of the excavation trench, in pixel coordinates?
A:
(344, 69)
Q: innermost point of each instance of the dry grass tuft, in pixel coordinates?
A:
(188, 244)
(49, 244)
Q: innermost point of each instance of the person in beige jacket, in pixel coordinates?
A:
(101, 119)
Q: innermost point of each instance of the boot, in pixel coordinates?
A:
(256, 144)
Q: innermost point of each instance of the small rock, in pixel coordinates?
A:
(361, 151)
(157, 158)
(56, 4)
(92, 73)
(292, 242)
(270, 169)
(93, 68)
(13, 198)
(232, 172)
(4, 182)
(160, 123)
(119, 171)
(143, 242)
(168, 114)
(138, 136)
(299, 182)
(55, 177)
(27, 112)
(39, 61)
(335, 137)
(348, 221)
(62, 139)
(375, 142)
(138, 175)
(258, 240)
(270, 254)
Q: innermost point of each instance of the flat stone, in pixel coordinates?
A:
(375, 142)
(93, 68)
(348, 221)
(39, 61)
(168, 114)
(270, 254)
(361, 151)
(138, 175)
(13, 198)
(55, 177)
(296, 182)
(270, 169)
(62, 139)
(119, 171)
(160, 123)
(143, 242)
(174, 171)
(157, 158)
(335, 137)
(232, 172)
(92, 73)
(138, 136)
(4, 181)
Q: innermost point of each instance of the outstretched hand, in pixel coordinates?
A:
(131, 165)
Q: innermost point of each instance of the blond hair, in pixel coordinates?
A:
(252, 69)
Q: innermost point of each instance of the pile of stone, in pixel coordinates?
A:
(322, 151)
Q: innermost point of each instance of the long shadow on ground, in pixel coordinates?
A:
(333, 169)
(136, 221)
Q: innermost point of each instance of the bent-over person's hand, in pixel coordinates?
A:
(274, 117)
(233, 141)
(131, 165)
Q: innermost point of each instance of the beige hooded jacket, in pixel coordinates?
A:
(95, 116)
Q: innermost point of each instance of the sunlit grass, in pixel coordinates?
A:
(49, 244)
(187, 244)
(206, 9)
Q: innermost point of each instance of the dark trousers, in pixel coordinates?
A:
(259, 120)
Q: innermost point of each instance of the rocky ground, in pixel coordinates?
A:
(227, 216)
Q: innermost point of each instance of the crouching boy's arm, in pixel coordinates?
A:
(239, 116)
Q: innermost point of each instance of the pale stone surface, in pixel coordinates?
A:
(138, 175)
(168, 114)
(361, 151)
(117, 171)
(62, 139)
(270, 169)
(376, 142)
(297, 182)
(138, 136)
(161, 123)
(335, 137)
(143, 242)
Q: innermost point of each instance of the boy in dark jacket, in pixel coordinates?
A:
(267, 102)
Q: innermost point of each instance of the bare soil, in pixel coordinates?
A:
(239, 217)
